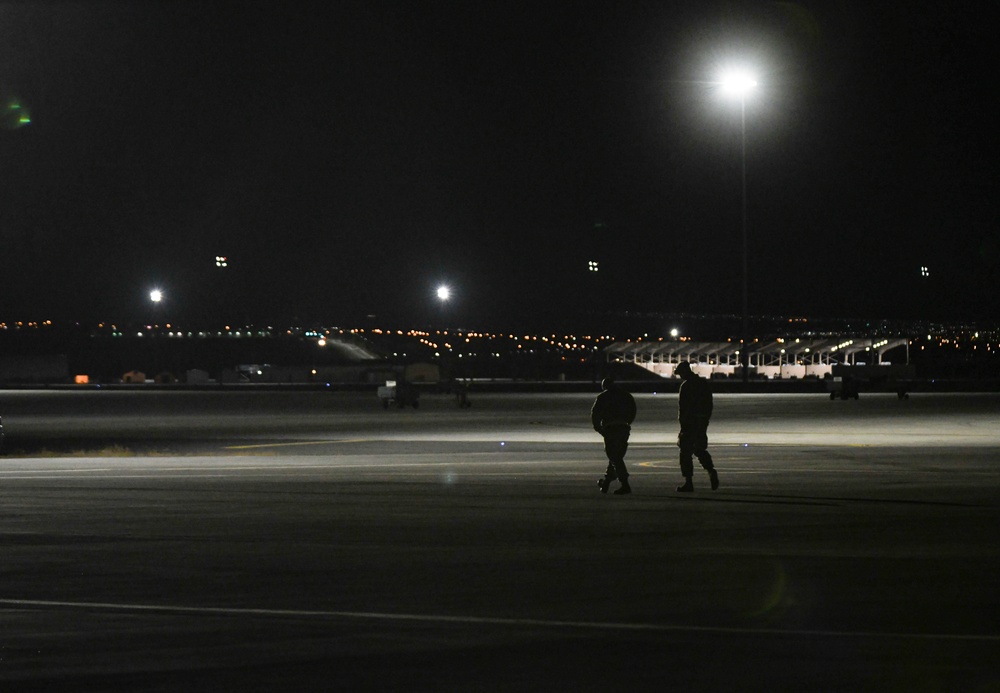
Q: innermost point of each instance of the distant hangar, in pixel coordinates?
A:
(792, 357)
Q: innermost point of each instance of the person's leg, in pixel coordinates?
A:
(705, 458)
(617, 446)
(609, 475)
(604, 483)
(622, 472)
(687, 462)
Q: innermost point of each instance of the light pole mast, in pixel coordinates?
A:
(744, 354)
(739, 83)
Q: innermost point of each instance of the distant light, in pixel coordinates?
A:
(155, 295)
(321, 342)
(737, 82)
(924, 271)
(593, 266)
(221, 261)
(14, 115)
(443, 293)
(674, 332)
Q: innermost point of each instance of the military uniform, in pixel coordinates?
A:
(694, 410)
(612, 416)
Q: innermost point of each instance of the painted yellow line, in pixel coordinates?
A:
(332, 441)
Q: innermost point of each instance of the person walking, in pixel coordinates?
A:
(612, 416)
(694, 410)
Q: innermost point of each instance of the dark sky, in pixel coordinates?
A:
(348, 157)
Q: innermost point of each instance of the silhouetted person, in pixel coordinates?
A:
(694, 409)
(612, 415)
(461, 391)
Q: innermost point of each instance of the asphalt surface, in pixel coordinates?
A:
(300, 541)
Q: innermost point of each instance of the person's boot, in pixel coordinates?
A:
(624, 489)
(714, 477)
(604, 483)
(687, 487)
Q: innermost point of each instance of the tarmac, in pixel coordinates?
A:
(162, 541)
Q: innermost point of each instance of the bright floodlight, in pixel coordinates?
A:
(737, 82)
(155, 295)
(444, 293)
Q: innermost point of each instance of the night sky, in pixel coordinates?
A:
(348, 157)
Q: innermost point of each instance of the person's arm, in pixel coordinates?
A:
(596, 415)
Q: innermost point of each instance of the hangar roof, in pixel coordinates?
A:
(791, 349)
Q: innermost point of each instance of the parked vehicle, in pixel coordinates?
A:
(398, 394)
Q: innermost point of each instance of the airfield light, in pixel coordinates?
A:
(155, 295)
(739, 82)
(443, 293)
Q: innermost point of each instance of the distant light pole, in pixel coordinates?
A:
(443, 294)
(739, 84)
(156, 297)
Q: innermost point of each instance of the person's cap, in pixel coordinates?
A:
(683, 367)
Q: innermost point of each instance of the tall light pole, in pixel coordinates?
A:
(443, 294)
(156, 297)
(739, 84)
